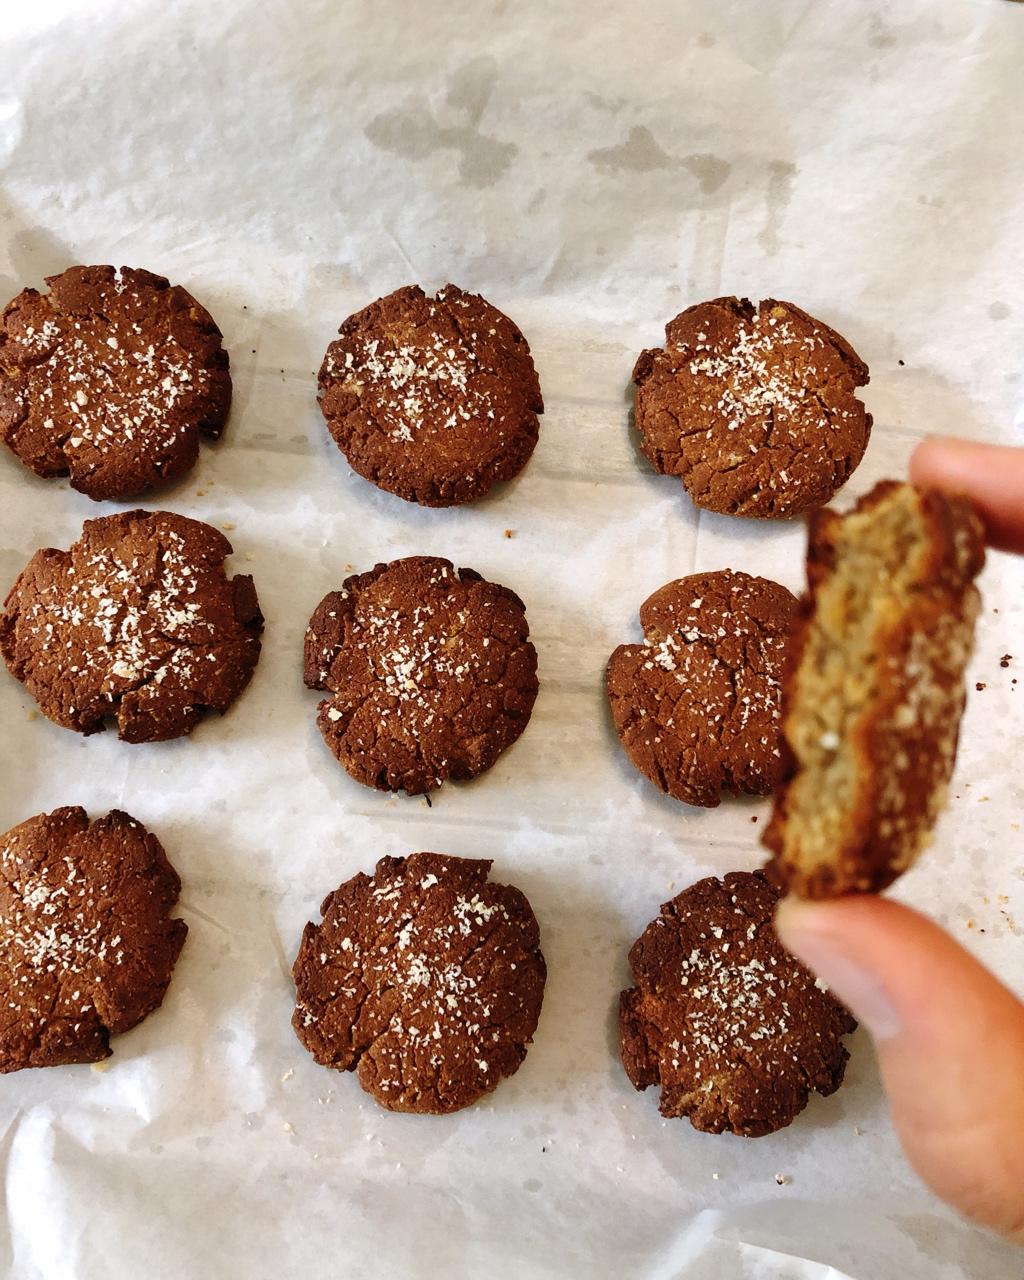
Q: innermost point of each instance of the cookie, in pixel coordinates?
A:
(696, 706)
(425, 979)
(137, 621)
(874, 691)
(87, 944)
(110, 378)
(430, 669)
(735, 1031)
(432, 399)
(753, 408)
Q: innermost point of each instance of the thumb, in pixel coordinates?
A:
(950, 1043)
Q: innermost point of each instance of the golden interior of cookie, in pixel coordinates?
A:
(880, 555)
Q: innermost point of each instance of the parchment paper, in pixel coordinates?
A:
(591, 168)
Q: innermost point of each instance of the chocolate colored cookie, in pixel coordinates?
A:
(433, 399)
(110, 378)
(874, 690)
(425, 979)
(87, 947)
(696, 706)
(137, 621)
(735, 1030)
(753, 408)
(430, 669)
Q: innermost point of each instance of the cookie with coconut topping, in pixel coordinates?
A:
(110, 378)
(754, 408)
(734, 1030)
(697, 705)
(433, 399)
(430, 671)
(138, 622)
(425, 979)
(87, 943)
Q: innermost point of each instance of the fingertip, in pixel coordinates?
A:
(991, 475)
(929, 463)
(797, 917)
(833, 938)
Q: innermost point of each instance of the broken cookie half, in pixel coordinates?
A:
(874, 690)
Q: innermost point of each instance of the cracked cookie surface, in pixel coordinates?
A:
(736, 1032)
(110, 378)
(753, 408)
(697, 705)
(137, 621)
(425, 979)
(432, 399)
(430, 669)
(87, 945)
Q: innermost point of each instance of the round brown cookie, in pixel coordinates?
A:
(138, 621)
(431, 672)
(754, 408)
(874, 689)
(425, 979)
(87, 947)
(734, 1029)
(110, 378)
(433, 399)
(696, 706)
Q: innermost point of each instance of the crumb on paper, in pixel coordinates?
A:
(970, 922)
(510, 533)
(856, 1130)
(227, 524)
(248, 556)
(31, 715)
(714, 1177)
(100, 1067)
(1005, 660)
(287, 1075)
(288, 1127)
(782, 1180)
(981, 686)
(200, 493)
(753, 817)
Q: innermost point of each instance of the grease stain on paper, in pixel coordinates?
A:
(415, 132)
(641, 152)
(880, 35)
(777, 197)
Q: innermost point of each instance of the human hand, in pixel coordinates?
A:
(949, 1035)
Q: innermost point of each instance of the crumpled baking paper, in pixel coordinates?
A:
(591, 168)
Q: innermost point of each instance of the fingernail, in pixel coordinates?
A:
(803, 929)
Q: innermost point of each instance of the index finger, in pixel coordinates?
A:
(991, 475)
